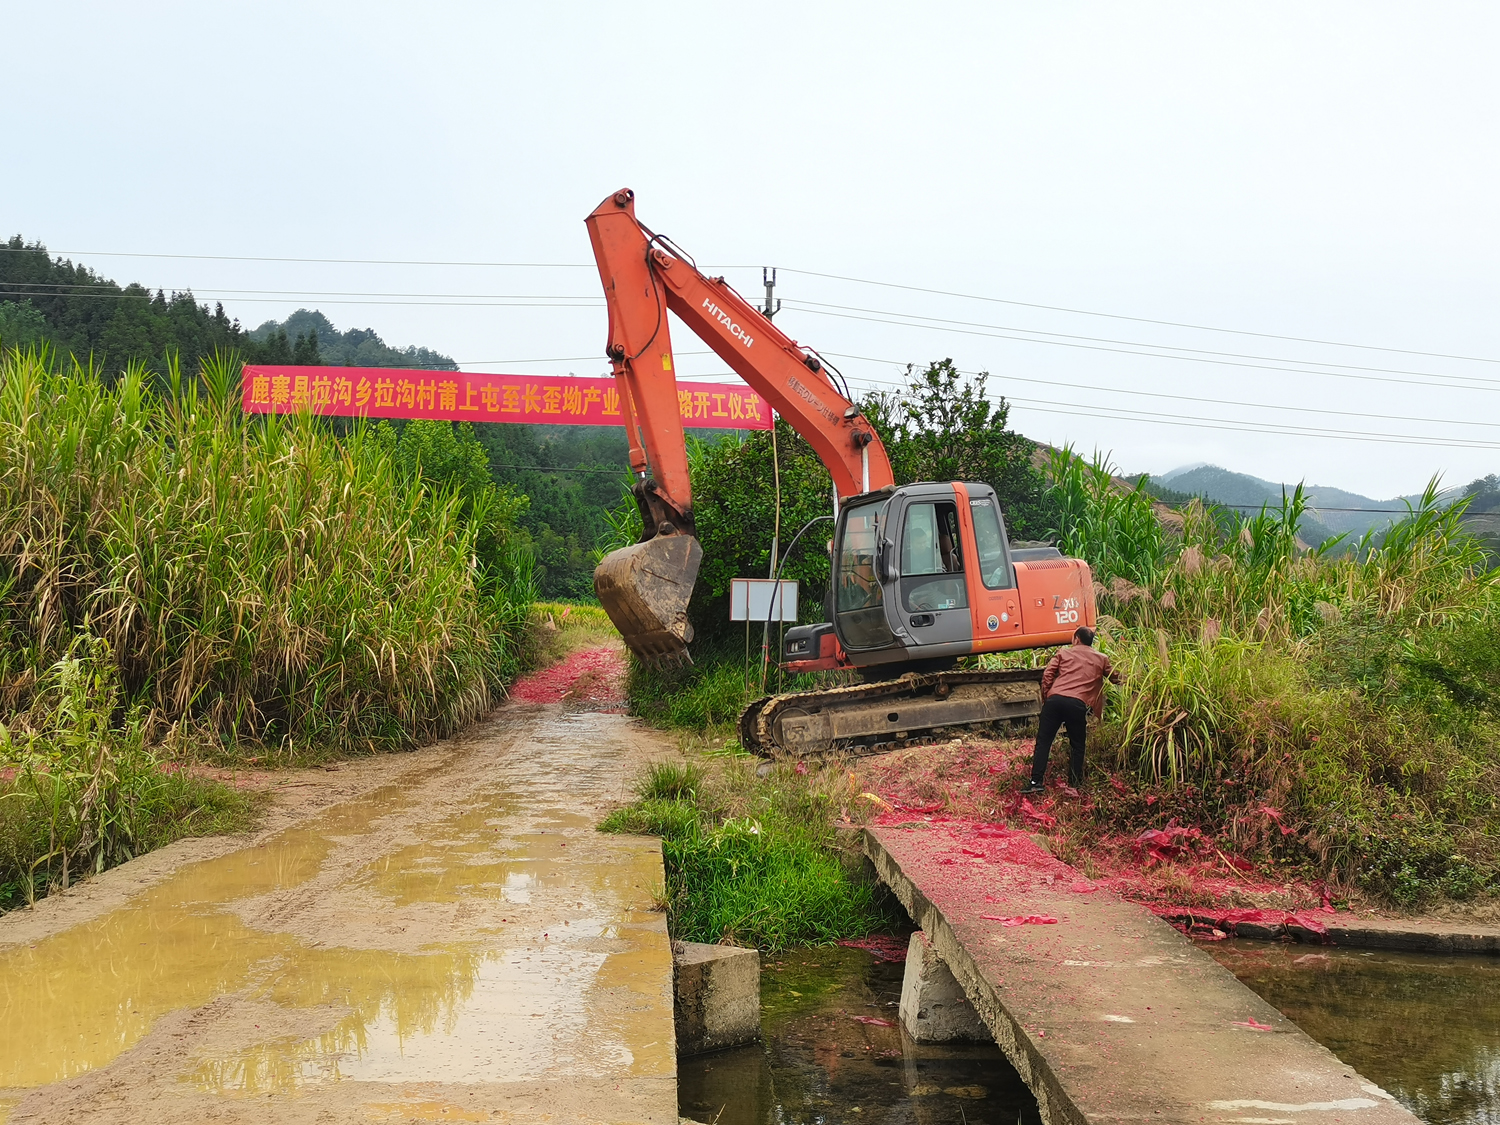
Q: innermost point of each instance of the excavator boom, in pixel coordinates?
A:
(645, 588)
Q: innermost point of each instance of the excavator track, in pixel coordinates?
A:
(865, 718)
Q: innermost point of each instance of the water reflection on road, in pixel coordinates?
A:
(821, 1061)
(1425, 1027)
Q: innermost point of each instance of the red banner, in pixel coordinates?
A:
(459, 396)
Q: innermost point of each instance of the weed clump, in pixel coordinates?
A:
(83, 790)
(752, 860)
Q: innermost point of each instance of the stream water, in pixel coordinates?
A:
(832, 1050)
(1425, 1027)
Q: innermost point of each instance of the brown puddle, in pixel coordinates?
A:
(511, 1000)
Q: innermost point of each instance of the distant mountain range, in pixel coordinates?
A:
(1334, 510)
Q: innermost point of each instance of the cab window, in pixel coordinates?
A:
(990, 541)
(858, 599)
(932, 562)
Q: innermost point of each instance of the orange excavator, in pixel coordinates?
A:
(922, 574)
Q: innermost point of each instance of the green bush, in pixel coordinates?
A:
(755, 862)
(86, 792)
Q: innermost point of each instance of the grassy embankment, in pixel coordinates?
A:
(1338, 717)
(179, 582)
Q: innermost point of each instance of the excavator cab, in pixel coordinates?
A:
(925, 573)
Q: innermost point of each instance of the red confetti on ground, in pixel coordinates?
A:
(873, 1021)
(1252, 1023)
(970, 787)
(1022, 919)
(591, 675)
(883, 947)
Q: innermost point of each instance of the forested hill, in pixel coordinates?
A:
(356, 347)
(51, 300)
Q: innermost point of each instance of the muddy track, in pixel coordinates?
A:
(433, 936)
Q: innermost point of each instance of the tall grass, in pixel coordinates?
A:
(85, 790)
(256, 579)
(1356, 696)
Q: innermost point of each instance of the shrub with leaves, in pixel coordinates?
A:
(85, 790)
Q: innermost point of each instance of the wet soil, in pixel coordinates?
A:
(1425, 1027)
(434, 936)
(833, 1050)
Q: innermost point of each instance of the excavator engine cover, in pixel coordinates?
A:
(645, 590)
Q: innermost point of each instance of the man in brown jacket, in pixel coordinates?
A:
(1072, 685)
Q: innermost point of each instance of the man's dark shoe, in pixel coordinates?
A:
(1033, 789)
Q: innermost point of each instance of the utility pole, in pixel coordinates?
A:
(772, 306)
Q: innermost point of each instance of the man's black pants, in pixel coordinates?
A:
(1061, 710)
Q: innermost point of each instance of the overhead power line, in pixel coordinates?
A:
(1143, 319)
(811, 306)
(306, 261)
(805, 273)
(1186, 398)
(1160, 355)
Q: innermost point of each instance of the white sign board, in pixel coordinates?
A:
(758, 599)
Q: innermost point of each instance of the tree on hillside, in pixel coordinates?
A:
(944, 427)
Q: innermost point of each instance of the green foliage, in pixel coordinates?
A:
(670, 781)
(943, 427)
(699, 697)
(309, 337)
(258, 579)
(571, 475)
(1356, 696)
(753, 860)
(85, 791)
(1115, 529)
(22, 324)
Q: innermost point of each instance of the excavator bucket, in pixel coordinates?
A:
(645, 590)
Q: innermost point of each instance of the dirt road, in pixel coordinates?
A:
(434, 936)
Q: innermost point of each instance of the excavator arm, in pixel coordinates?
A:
(646, 588)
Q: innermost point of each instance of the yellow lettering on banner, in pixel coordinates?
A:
(533, 399)
(299, 390)
(260, 388)
(281, 389)
(736, 407)
(700, 404)
(490, 396)
(322, 390)
(572, 400)
(447, 395)
(362, 392)
(752, 407)
(385, 393)
(590, 396)
(511, 400)
(426, 394)
(551, 401)
(719, 411)
(685, 403)
(468, 403)
(612, 402)
(406, 393)
(342, 388)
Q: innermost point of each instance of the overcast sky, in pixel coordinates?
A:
(1326, 171)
